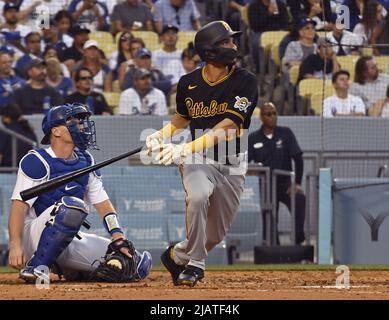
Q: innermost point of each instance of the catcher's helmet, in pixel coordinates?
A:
(83, 131)
(207, 39)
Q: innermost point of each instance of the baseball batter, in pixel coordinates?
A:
(217, 101)
(44, 231)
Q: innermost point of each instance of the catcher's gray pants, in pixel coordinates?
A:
(212, 202)
(79, 256)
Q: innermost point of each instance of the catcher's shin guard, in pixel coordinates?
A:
(68, 217)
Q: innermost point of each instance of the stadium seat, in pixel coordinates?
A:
(116, 86)
(317, 102)
(294, 74)
(184, 37)
(246, 229)
(150, 38)
(113, 99)
(348, 63)
(308, 87)
(105, 41)
(270, 38)
(244, 13)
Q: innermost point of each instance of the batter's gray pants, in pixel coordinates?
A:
(212, 202)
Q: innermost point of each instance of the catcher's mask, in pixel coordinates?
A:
(207, 42)
(76, 117)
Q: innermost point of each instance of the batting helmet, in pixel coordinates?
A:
(83, 131)
(207, 41)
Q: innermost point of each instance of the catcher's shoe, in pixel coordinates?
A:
(190, 276)
(174, 268)
(30, 274)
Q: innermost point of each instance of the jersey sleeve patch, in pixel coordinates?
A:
(33, 167)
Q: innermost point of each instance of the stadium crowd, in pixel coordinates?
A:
(126, 56)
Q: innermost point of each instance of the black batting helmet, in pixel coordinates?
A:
(207, 39)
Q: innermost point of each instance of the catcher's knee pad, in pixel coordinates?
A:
(68, 217)
(144, 264)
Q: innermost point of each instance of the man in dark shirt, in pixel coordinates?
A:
(74, 53)
(12, 119)
(315, 65)
(36, 96)
(85, 95)
(275, 146)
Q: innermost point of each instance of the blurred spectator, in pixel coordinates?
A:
(86, 95)
(233, 14)
(51, 52)
(293, 35)
(74, 54)
(12, 30)
(123, 54)
(372, 22)
(135, 45)
(56, 80)
(64, 22)
(297, 51)
(33, 48)
(92, 14)
(51, 37)
(343, 103)
(265, 16)
(315, 65)
(344, 42)
(143, 61)
(381, 107)
(34, 10)
(181, 13)
(36, 95)
(356, 12)
(313, 9)
(190, 61)
(12, 119)
(92, 59)
(168, 53)
(381, 36)
(131, 15)
(9, 82)
(143, 98)
(369, 84)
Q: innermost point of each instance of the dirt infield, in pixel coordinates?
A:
(228, 285)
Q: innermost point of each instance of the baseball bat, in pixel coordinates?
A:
(60, 181)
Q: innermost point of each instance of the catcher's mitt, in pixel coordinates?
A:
(117, 267)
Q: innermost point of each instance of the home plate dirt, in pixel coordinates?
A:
(219, 285)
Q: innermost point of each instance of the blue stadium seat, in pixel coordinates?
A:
(246, 229)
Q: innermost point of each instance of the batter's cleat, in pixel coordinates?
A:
(174, 268)
(190, 276)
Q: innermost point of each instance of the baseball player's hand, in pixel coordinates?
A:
(16, 258)
(173, 153)
(154, 141)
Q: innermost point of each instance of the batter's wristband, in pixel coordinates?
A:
(111, 223)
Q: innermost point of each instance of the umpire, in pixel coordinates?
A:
(275, 146)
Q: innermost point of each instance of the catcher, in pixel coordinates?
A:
(44, 231)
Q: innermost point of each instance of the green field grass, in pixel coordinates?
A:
(266, 267)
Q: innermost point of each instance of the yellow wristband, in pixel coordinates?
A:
(168, 130)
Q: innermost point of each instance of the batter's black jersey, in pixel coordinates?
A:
(207, 103)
